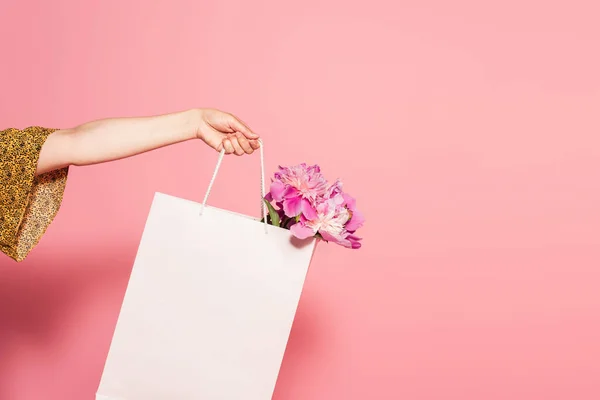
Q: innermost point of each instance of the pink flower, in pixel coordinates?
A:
(298, 188)
(309, 206)
(330, 222)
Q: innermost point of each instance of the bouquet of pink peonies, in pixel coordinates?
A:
(301, 200)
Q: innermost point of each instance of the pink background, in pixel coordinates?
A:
(467, 130)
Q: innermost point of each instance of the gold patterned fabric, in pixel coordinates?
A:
(28, 203)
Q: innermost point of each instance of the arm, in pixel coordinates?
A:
(33, 161)
(117, 138)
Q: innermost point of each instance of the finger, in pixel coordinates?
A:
(244, 143)
(239, 126)
(228, 146)
(215, 139)
(236, 145)
(255, 144)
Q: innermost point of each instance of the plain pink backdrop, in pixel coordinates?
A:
(467, 130)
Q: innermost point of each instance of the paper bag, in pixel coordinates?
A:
(209, 306)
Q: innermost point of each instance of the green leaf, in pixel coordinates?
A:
(272, 213)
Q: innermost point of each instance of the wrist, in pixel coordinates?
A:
(190, 121)
(194, 118)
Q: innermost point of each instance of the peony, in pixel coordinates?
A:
(311, 207)
(330, 223)
(297, 188)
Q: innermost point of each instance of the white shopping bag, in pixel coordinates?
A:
(209, 306)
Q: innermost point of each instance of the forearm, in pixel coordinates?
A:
(113, 139)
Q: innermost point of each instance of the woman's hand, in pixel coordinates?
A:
(220, 130)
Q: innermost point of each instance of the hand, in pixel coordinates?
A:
(220, 130)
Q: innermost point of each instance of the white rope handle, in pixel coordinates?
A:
(262, 182)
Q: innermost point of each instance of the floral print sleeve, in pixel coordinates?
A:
(28, 203)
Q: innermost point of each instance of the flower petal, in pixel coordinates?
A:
(308, 210)
(326, 236)
(338, 199)
(355, 222)
(355, 241)
(330, 238)
(290, 192)
(350, 201)
(277, 190)
(292, 206)
(302, 231)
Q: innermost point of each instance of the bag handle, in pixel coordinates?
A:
(262, 182)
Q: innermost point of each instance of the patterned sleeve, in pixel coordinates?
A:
(28, 203)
